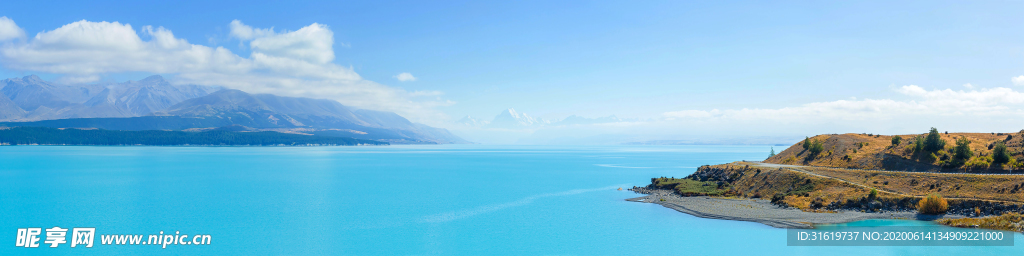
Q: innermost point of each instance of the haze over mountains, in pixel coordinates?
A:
(155, 104)
(511, 119)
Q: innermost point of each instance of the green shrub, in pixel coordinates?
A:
(962, 151)
(933, 142)
(896, 140)
(918, 144)
(1015, 164)
(807, 142)
(999, 154)
(873, 195)
(816, 148)
(979, 163)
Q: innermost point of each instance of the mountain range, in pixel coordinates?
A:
(511, 119)
(31, 98)
(155, 104)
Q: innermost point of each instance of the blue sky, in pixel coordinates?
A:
(639, 59)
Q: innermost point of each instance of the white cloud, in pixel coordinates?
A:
(998, 103)
(313, 43)
(245, 32)
(9, 30)
(405, 77)
(1019, 80)
(969, 86)
(692, 114)
(288, 63)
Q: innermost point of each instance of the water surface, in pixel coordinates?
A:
(394, 200)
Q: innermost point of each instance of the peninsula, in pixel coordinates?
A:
(957, 179)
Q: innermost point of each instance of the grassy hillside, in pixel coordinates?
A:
(816, 188)
(871, 151)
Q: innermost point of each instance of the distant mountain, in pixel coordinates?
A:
(155, 104)
(152, 94)
(8, 109)
(35, 99)
(470, 121)
(512, 119)
(325, 117)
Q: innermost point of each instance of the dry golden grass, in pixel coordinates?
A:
(949, 185)
(1009, 221)
(801, 189)
(862, 151)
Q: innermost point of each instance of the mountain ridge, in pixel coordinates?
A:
(153, 103)
(41, 100)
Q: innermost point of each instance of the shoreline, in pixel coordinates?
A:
(762, 211)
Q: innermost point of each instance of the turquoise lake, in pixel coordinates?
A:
(393, 200)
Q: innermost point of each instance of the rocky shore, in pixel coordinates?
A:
(763, 211)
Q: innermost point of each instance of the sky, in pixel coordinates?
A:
(673, 70)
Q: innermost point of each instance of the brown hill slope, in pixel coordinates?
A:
(869, 151)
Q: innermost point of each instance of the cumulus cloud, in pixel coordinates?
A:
(1019, 80)
(405, 77)
(245, 32)
(313, 43)
(969, 86)
(9, 30)
(288, 63)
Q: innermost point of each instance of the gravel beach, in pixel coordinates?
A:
(761, 211)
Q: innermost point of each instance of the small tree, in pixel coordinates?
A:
(918, 144)
(896, 140)
(816, 148)
(807, 142)
(932, 204)
(962, 151)
(999, 155)
(873, 195)
(772, 153)
(933, 142)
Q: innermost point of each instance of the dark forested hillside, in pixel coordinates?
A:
(54, 136)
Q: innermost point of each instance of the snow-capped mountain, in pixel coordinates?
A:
(512, 119)
(31, 98)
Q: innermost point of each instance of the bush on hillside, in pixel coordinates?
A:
(815, 148)
(933, 204)
(778, 198)
(999, 154)
(896, 140)
(933, 142)
(978, 163)
(807, 142)
(962, 152)
(918, 144)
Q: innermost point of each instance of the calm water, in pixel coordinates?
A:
(396, 200)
